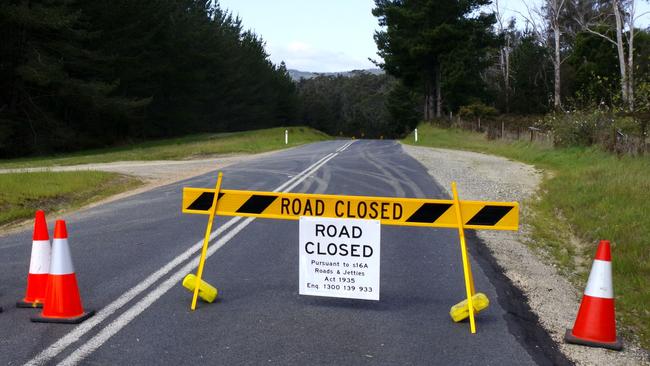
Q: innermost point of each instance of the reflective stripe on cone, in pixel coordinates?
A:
(595, 323)
(62, 300)
(39, 265)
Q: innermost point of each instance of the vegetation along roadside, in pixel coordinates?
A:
(23, 192)
(587, 195)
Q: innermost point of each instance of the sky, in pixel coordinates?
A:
(331, 35)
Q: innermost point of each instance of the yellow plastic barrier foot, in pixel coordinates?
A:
(207, 292)
(460, 311)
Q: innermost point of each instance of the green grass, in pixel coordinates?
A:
(24, 193)
(587, 195)
(181, 148)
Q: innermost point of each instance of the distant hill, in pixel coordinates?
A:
(296, 75)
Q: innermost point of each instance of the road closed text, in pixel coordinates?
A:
(328, 232)
(339, 257)
(349, 209)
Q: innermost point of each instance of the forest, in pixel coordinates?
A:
(85, 74)
(582, 67)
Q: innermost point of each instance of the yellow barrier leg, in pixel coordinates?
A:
(467, 270)
(206, 239)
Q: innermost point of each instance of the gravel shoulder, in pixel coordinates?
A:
(552, 297)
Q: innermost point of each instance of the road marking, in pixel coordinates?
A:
(345, 146)
(74, 335)
(111, 308)
(123, 320)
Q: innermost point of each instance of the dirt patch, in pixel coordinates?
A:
(551, 296)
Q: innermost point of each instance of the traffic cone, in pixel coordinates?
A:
(39, 265)
(595, 324)
(62, 300)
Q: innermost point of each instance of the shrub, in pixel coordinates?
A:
(477, 110)
(579, 128)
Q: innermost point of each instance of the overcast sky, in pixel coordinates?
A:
(327, 36)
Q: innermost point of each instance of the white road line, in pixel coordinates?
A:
(305, 172)
(345, 146)
(111, 308)
(292, 186)
(123, 320)
(79, 331)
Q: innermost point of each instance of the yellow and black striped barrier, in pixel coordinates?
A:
(390, 211)
(452, 213)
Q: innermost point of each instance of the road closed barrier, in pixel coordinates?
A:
(435, 213)
(389, 210)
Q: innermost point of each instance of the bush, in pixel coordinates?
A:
(579, 128)
(477, 110)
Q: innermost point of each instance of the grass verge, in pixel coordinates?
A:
(24, 193)
(181, 148)
(588, 195)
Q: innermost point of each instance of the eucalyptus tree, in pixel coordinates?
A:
(621, 15)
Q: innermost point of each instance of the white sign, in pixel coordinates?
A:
(339, 257)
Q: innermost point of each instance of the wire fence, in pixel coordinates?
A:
(531, 130)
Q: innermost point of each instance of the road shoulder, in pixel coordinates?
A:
(153, 174)
(550, 296)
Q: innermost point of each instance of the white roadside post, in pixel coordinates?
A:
(286, 137)
(416, 135)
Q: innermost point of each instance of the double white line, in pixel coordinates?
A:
(131, 313)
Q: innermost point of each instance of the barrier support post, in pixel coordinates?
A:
(467, 269)
(206, 240)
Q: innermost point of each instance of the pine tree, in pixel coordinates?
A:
(427, 40)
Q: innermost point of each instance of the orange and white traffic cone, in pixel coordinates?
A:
(595, 324)
(62, 300)
(39, 265)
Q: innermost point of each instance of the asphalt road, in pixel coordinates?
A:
(130, 256)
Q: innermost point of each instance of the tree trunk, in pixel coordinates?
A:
(630, 70)
(504, 57)
(438, 92)
(428, 101)
(630, 59)
(557, 62)
(621, 51)
(504, 63)
(425, 111)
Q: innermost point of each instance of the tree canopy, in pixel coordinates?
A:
(363, 105)
(435, 46)
(90, 73)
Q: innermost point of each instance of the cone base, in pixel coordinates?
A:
(570, 338)
(74, 320)
(29, 304)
